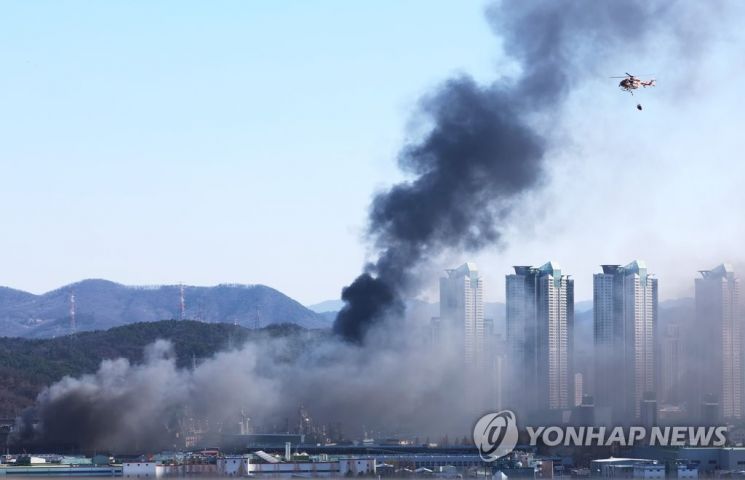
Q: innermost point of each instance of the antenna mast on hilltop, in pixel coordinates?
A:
(257, 320)
(72, 313)
(181, 302)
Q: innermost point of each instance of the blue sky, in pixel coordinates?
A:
(210, 142)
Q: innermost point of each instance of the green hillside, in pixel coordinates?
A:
(27, 366)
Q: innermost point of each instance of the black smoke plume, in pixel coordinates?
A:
(487, 145)
(461, 190)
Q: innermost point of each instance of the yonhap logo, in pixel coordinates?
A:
(495, 434)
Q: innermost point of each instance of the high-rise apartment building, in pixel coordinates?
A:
(718, 346)
(462, 310)
(672, 373)
(578, 389)
(540, 318)
(625, 322)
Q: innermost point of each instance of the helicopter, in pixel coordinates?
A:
(631, 83)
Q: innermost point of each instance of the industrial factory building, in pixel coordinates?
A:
(259, 464)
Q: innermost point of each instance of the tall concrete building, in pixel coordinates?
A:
(719, 340)
(495, 354)
(578, 389)
(540, 319)
(672, 373)
(462, 310)
(625, 322)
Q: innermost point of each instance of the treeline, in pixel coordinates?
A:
(27, 366)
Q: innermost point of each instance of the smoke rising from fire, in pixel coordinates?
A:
(136, 407)
(487, 145)
(133, 407)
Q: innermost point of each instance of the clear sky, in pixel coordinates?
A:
(212, 142)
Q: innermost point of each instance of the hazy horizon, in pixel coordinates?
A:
(307, 305)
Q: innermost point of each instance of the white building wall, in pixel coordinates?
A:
(686, 472)
(625, 317)
(649, 471)
(640, 310)
(539, 331)
(719, 310)
(357, 466)
(140, 470)
(290, 469)
(462, 310)
(233, 465)
(555, 314)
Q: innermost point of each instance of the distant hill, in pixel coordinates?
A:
(582, 306)
(27, 366)
(680, 310)
(419, 311)
(327, 306)
(101, 304)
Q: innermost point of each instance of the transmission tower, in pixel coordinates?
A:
(181, 302)
(72, 313)
(257, 320)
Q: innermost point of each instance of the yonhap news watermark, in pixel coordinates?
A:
(628, 436)
(496, 435)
